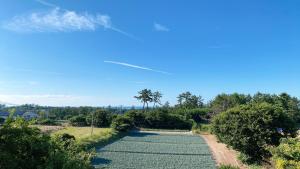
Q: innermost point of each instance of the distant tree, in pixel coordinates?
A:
(156, 98)
(166, 105)
(187, 100)
(101, 118)
(223, 102)
(145, 96)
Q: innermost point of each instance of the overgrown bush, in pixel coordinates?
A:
(67, 154)
(201, 128)
(122, 123)
(46, 122)
(28, 148)
(159, 118)
(287, 154)
(101, 118)
(21, 146)
(251, 128)
(79, 120)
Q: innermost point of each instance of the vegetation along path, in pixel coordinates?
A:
(156, 150)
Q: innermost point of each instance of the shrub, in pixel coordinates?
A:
(250, 128)
(287, 154)
(159, 118)
(122, 123)
(28, 148)
(102, 118)
(67, 154)
(46, 122)
(198, 114)
(79, 120)
(223, 166)
(201, 128)
(22, 146)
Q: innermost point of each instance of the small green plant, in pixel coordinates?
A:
(225, 166)
(201, 128)
(287, 154)
(122, 123)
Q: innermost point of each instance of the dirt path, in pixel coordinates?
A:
(221, 153)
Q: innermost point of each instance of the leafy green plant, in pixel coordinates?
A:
(287, 154)
(251, 128)
(27, 147)
(122, 123)
(79, 120)
(224, 166)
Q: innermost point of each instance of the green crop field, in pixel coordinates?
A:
(155, 151)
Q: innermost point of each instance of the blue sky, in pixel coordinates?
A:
(98, 53)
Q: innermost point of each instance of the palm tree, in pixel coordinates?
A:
(156, 98)
(144, 96)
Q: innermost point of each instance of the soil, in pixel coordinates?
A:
(221, 153)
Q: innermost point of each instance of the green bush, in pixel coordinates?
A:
(79, 120)
(250, 128)
(46, 122)
(201, 128)
(122, 123)
(28, 148)
(159, 118)
(287, 154)
(223, 166)
(22, 146)
(101, 118)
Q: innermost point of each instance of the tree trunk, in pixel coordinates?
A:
(92, 124)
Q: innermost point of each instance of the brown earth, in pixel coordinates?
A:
(222, 154)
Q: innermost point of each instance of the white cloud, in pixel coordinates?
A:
(161, 28)
(136, 67)
(61, 20)
(56, 20)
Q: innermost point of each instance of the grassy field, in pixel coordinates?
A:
(155, 151)
(84, 137)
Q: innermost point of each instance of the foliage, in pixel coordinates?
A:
(28, 148)
(156, 98)
(223, 102)
(223, 166)
(122, 123)
(23, 146)
(287, 154)
(250, 128)
(79, 120)
(190, 101)
(66, 154)
(145, 96)
(101, 118)
(159, 118)
(46, 122)
(201, 128)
